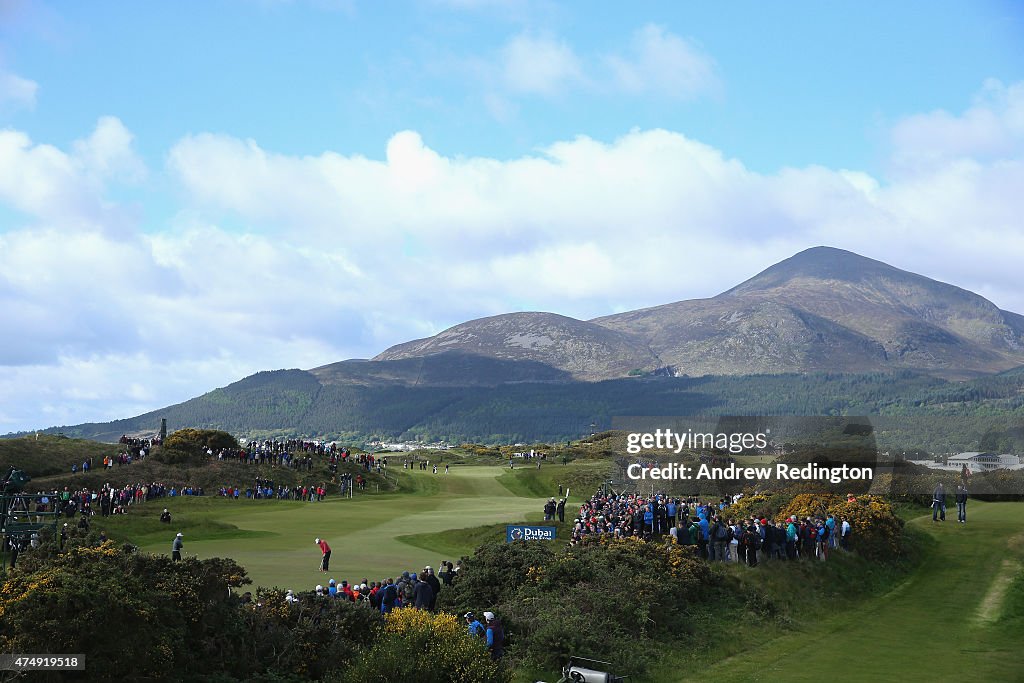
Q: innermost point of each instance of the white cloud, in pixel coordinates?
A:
(655, 62)
(539, 65)
(278, 260)
(67, 188)
(108, 152)
(16, 92)
(654, 198)
(993, 128)
(663, 63)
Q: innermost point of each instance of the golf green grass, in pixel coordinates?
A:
(942, 623)
(273, 540)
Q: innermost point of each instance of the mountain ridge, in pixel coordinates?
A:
(803, 335)
(822, 309)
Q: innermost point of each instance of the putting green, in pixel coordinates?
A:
(940, 624)
(275, 538)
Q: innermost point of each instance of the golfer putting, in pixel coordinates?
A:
(325, 560)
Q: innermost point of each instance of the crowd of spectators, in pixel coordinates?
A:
(411, 589)
(708, 525)
(107, 500)
(135, 450)
(417, 590)
(264, 489)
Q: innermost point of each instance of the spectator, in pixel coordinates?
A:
(176, 547)
(495, 636)
(435, 585)
(474, 625)
(961, 503)
(389, 596)
(423, 594)
(939, 503)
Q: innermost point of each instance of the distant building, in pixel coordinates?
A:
(980, 461)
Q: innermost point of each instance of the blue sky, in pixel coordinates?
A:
(809, 84)
(379, 171)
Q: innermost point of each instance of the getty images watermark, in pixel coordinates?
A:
(734, 443)
(839, 453)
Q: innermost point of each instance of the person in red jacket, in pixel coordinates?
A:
(325, 561)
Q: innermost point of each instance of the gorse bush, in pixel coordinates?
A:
(312, 638)
(134, 615)
(189, 446)
(137, 616)
(200, 439)
(602, 596)
(876, 531)
(428, 648)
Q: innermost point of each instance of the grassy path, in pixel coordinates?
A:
(274, 541)
(940, 624)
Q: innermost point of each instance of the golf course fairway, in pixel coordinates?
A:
(274, 539)
(940, 624)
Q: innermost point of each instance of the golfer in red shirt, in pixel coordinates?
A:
(326, 550)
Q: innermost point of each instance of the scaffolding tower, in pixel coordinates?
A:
(18, 520)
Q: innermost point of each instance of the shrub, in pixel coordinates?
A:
(876, 531)
(189, 446)
(200, 439)
(312, 638)
(83, 599)
(137, 616)
(604, 595)
(428, 648)
(757, 505)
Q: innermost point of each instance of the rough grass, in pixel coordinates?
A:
(921, 629)
(49, 454)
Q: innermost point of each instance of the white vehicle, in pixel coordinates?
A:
(573, 672)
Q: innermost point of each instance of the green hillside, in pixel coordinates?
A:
(294, 402)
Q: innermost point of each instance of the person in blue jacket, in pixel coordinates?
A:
(791, 536)
(495, 636)
(474, 625)
(705, 535)
(389, 596)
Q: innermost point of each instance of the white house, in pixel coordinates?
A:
(983, 461)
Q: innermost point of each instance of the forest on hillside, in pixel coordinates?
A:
(294, 402)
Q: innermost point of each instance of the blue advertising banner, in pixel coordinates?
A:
(529, 533)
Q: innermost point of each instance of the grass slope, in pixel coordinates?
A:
(47, 454)
(954, 616)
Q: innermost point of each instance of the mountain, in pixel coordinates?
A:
(584, 351)
(827, 309)
(824, 332)
(822, 310)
